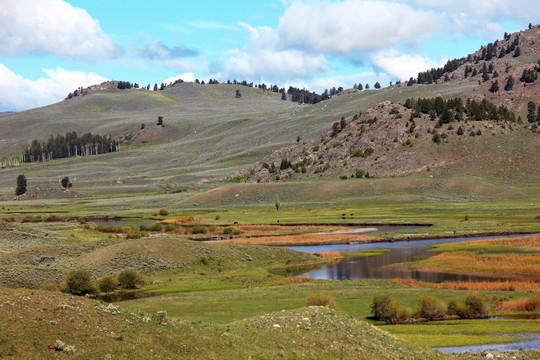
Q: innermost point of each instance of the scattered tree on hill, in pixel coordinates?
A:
(531, 112)
(162, 87)
(283, 96)
(21, 185)
(155, 87)
(377, 85)
(529, 75)
(66, 184)
(367, 86)
(143, 126)
(509, 83)
(238, 94)
(160, 120)
(517, 52)
(494, 86)
(278, 205)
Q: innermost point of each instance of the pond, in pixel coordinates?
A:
(374, 267)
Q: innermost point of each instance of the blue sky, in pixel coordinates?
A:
(50, 47)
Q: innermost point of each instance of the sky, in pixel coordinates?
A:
(49, 48)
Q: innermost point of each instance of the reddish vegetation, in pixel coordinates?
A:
(300, 239)
(514, 285)
(530, 304)
(330, 254)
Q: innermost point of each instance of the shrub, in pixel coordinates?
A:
(79, 282)
(199, 230)
(129, 279)
(477, 305)
(133, 235)
(390, 310)
(431, 308)
(170, 227)
(107, 283)
(155, 227)
(49, 287)
(321, 299)
(163, 212)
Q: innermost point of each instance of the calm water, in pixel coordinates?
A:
(533, 343)
(373, 267)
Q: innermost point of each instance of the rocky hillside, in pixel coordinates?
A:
(395, 140)
(515, 57)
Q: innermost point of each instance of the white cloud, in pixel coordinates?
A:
(52, 27)
(352, 25)
(402, 66)
(18, 93)
(347, 81)
(188, 77)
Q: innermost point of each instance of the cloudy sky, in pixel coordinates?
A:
(50, 47)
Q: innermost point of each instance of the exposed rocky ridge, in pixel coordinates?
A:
(382, 141)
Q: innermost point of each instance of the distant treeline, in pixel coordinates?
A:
(455, 110)
(58, 147)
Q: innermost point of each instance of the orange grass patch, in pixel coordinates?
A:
(527, 243)
(514, 285)
(296, 280)
(530, 304)
(261, 229)
(330, 254)
(300, 239)
(462, 261)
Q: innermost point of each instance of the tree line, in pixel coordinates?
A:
(455, 110)
(69, 145)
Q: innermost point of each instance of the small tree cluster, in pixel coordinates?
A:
(79, 282)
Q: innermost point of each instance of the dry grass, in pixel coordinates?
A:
(529, 286)
(530, 305)
(469, 262)
(527, 243)
(296, 280)
(330, 254)
(300, 239)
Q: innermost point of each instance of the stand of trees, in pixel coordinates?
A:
(58, 147)
(455, 110)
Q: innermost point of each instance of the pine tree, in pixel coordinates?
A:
(494, 86)
(377, 85)
(509, 84)
(531, 112)
(21, 185)
(517, 52)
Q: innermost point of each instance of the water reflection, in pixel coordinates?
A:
(374, 267)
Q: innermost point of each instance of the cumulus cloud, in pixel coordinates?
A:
(402, 66)
(52, 27)
(18, 93)
(352, 25)
(188, 77)
(261, 59)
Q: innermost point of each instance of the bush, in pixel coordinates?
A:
(477, 305)
(49, 287)
(129, 279)
(170, 227)
(431, 308)
(163, 212)
(155, 227)
(107, 283)
(390, 310)
(321, 299)
(199, 230)
(79, 282)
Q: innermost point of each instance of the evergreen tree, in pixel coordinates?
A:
(360, 87)
(238, 94)
(531, 112)
(283, 96)
(517, 52)
(494, 86)
(21, 185)
(509, 83)
(160, 120)
(377, 85)
(155, 87)
(66, 184)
